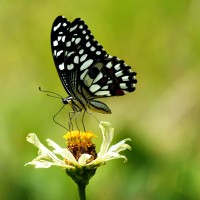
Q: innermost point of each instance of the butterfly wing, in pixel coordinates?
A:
(110, 77)
(94, 73)
(59, 32)
(84, 67)
(82, 52)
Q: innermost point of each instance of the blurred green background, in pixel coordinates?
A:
(160, 39)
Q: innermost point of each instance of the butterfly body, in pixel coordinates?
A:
(86, 70)
(81, 104)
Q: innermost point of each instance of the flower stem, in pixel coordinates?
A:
(81, 191)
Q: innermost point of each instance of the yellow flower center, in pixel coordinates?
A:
(79, 142)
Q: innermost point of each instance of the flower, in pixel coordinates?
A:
(80, 152)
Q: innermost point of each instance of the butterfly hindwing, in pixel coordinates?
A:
(110, 77)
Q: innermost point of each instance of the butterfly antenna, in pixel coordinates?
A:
(49, 92)
(54, 118)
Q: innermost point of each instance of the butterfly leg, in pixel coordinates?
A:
(71, 115)
(82, 120)
(54, 118)
(85, 111)
(75, 119)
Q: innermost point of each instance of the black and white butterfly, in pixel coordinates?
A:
(85, 69)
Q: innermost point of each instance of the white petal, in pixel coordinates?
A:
(120, 146)
(65, 153)
(43, 151)
(45, 158)
(33, 139)
(44, 164)
(112, 155)
(108, 133)
(83, 159)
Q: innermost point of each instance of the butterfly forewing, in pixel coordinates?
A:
(58, 43)
(82, 52)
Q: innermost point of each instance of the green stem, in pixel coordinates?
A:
(81, 177)
(81, 191)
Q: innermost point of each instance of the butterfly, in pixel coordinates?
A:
(86, 70)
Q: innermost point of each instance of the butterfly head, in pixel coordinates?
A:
(75, 104)
(66, 100)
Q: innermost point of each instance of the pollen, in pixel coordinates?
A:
(79, 142)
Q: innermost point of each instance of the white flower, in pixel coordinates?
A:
(63, 157)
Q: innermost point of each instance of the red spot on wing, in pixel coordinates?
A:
(119, 92)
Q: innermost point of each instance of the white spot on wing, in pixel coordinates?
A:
(125, 78)
(92, 48)
(117, 66)
(66, 52)
(73, 28)
(83, 57)
(64, 24)
(70, 53)
(55, 43)
(61, 66)
(119, 73)
(105, 87)
(109, 82)
(81, 51)
(77, 40)
(84, 31)
(56, 27)
(83, 74)
(88, 44)
(58, 54)
(133, 85)
(54, 52)
(123, 86)
(76, 59)
(68, 44)
(63, 38)
(98, 52)
(86, 64)
(94, 88)
(109, 65)
(70, 67)
(103, 93)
